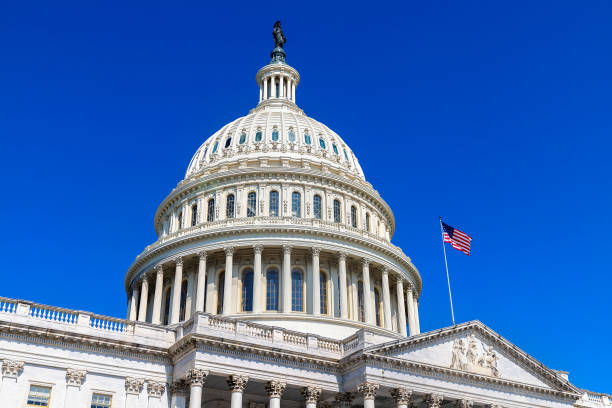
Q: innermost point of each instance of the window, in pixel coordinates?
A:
(336, 210)
(258, 136)
(167, 306)
(367, 222)
(39, 396)
(353, 216)
(273, 203)
(100, 401)
(220, 290)
(335, 148)
(360, 301)
(194, 215)
(316, 206)
(215, 146)
(180, 220)
(323, 292)
(275, 135)
(230, 206)
(272, 290)
(377, 306)
(228, 142)
(247, 290)
(307, 139)
(291, 136)
(183, 301)
(296, 204)
(322, 143)
(211, 210)
(251, 204)
(297, 291)
(205, 151)
(242, 138)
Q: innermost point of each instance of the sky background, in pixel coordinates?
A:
(495, 115)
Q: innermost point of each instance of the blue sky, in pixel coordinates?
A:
(495, 115)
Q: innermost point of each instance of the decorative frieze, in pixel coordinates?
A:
(133, 385)
(196, 377)
(155, 388)
(368, 390)
(275, 388)
(401, 396)
(237, 383)
(473, 356)
(11, 368)
(433, 400)
(311, 394)
(75, 377)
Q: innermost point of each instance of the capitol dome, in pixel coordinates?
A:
(281, 201)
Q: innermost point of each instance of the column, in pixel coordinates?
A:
(260, 92)
(275, 390)
(368, 391)
(10, 394)
(386, 298)
(286, 279)
(74, 380)
(311, 396)
(133, 386)
(265, 87)
(316, 282)
(196, 379)
(273, 87)
(201, 283)
(416, 315)
(293, 91)
(134, 304)
(176, 291)
(227, 284)
(155, 391)
(433, 401)
(257, 279)
(144, 297)
(401, 397)
(178, 392)
(157, 297)
(189, 301)
(343, 288)
(401, 309)
(281, 86)
(237, 383)
(367, 296)
(410, 307)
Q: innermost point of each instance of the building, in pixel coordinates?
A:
(273, 283)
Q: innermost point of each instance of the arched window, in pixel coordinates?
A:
(377, 306)
(291, 136)
(316, 206)
(323, 291)
(296, 204)
(251, 204)
(336, 210)
(211, 210)
(360, 301)
(345, 155)
(167, 305)
(215, 146)
(275, 135)
(228, 142)
(247, 290)
(230, 206)
(297, 291)
(353, 216)
(307, 139)
(180, 220)
(194, 215)
(258, 136)
(220, 290)
(183, 301)
(272, 290)
(368, 222)
(273, 203)
(242, 138)
(335, 148)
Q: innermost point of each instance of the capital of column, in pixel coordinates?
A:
(410, 287)
(365, 262)
(178, 261)
(159, 269)
(229, 251)
(133, 385)
(433, 400)
(344, 399)
(368, 390)
(11, 368)
(202, 255)
(275, 388)
(144, 277)
(75, 377)
(399, 279)
(316, 251)
(179, 387)
(196, 377)
(287, 249)
(155, 388)
(311, 394)
(384, 270)
(237, 383)
(464, 403)
(342, 255)
(258, 249)
(401, 395)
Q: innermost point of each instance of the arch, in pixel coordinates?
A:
(220, 290)
(247, 290)
(184, 286)
(360, 303)
(316, 206)
(377, 306)
(353, 216)
(337, 212)
(272, 289)
(210, 216)
(168, 295)
(230, 206)
(273, 203)
(296, 204)
(323, 292)
(251, 204)
(194, 214)
(297, 290)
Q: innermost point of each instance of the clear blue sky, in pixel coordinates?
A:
(495, 115)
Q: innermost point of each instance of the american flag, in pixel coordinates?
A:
(459, 239)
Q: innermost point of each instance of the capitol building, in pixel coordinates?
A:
(273, 283)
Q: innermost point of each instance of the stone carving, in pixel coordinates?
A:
(202, 255)
(275, 388)
(316, 251)
(368, 390)
(179, 387)
(433, 400)
(463, 403)
(258, 249)
(471, 355)
(229, 251)
(401, 396)
(311, 394)
(133, 385)
(196, 377)
(237, 383)
(11, 368)
(155, 388)
(179, 261)
(343, 399)
(75, 377)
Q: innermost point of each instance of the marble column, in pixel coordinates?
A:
(227, 284)
(196, 379)
(201, 283)
(265, 88)
(10, 391)
(293, 91)
(311, 396)
(416, 314)
(367, 295)
(133, 387)
(155, 391)
(433, 400)
(401, 397)
(237, 383)
(343, 285)
(257, 279)
(178, 393)
(286, 279)
(410, 307)
(134, 304)
(189, 296)
(144, 297)
(401, 308)
(176, 291)
(275, 390)
(316, 282)
(386, 298)
(157, 297)
(273, 87)
(368, 391)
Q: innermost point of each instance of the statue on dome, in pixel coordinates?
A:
(279, 37)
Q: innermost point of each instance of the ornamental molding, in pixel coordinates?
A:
(433, 400)
(155, 388)
(237, 383)
(258, 249)
(202, 256)
(196, 377)
(179, 387)
(275, 388)
(133, 385)
(471, 355)
(401, 396)
(311, 394)
(11, 368)
(464, 403)
(368, 390)
(75, 377)
(344, 399)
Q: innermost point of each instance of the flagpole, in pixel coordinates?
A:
(450, 296)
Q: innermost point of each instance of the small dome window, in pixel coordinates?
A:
(335, 148)
(307, 139)
(242, 138)
(228, 142)
(322, 143)
(345, 155)
(205, 151)
(291, 136)
(275, 135)
(258, 136)
(215, 146)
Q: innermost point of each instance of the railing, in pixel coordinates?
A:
(8, 305)
(110, 324)
(259, 332)
(351, 342)
(594, 399)
(218, 323)
(54, 314)
(296, 339)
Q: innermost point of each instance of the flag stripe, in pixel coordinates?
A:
(458, 239)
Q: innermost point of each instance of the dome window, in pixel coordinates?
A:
(307, 139)
(242, 138)
(335, 148)
(228, 142)
(345, 155)
(251, 204)
(258, 136)
(275, 135)
(215, 146)
(291, 136)
(322, 143)
(316, 206)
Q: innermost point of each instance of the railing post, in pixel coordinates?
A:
(312, 342)
(83, 320)
(241, 328)
(23, 309)
(277, 335)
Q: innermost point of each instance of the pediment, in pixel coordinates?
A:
(473, 348)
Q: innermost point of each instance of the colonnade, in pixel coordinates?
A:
(354, 300)
(268, 87)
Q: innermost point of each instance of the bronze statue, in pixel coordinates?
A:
(279, 37)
